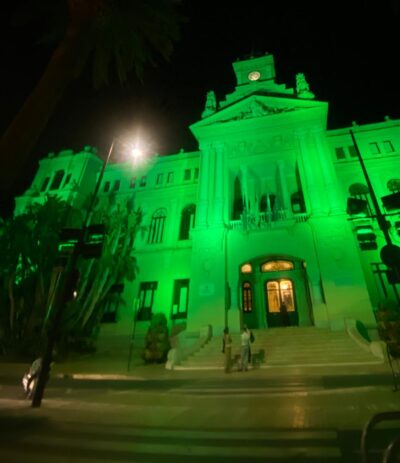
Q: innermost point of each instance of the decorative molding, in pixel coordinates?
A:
(257, 109)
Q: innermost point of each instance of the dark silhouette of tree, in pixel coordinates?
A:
(118, 35)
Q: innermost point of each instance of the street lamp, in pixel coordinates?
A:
(390, 253)
(68, 281)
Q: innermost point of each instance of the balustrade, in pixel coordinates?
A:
(269, 219)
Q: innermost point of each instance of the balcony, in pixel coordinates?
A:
(267, 220)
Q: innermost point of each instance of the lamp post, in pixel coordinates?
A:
(68, 280)
(390, 253)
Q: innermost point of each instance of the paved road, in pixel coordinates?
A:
(234, 418)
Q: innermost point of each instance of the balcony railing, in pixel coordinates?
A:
(270, 219)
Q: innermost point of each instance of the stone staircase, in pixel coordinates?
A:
(289, 346)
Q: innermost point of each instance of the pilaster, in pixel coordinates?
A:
(334, 196)
(204, 182)
(312, 184)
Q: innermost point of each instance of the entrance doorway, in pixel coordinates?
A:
(269, 282)
(280, 303)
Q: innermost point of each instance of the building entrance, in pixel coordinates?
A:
(274, 292)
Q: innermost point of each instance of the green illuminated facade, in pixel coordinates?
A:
(255, 218)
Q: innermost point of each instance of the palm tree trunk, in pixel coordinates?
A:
(11, 299)
(29, 123)
(85, 279)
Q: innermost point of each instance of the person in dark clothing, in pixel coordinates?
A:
(285, 320)
(227, 350)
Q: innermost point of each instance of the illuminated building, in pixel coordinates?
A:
(255, 218)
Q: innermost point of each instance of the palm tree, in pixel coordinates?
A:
(29, 245)
(117, 34)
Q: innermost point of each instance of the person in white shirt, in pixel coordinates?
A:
(244, 348)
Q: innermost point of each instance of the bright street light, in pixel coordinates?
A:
(137, 153)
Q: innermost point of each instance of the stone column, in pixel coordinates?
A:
(218, 216)
(334, 195)
(204, 181)
(311, 177)
(244, 187)
(286, 205)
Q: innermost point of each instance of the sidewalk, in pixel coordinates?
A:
(105, 367)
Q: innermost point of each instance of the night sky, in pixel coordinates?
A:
(349, 52)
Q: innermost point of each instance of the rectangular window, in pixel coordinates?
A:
(374, 148)
(196, 173)
(389, 148)
(147, 291)
(143, 181)
(187, 174)
(106, 187)
(116, 185)
(133, 182)
(180, 300)
(340, 154)
(159, 179)
(352, 151)
(170, 178)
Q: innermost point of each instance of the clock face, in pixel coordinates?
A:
(254, 75)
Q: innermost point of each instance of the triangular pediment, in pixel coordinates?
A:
(256, 107)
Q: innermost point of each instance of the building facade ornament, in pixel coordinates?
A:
(302, 87)
(211, 104)
(257, 109)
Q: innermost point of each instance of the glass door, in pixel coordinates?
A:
(280, 303)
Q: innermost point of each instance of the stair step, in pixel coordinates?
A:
(290, 345)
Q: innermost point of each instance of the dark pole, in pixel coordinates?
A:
(132, 340)
(390, 254)
(382, 222)
(61, 300)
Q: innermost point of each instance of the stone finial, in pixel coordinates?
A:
(211, 104)
(302, 87)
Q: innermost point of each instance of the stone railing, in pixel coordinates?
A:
(186, 344)
(267, 220)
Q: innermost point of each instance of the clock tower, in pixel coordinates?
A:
(255, 70)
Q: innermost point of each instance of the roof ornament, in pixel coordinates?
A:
(211, 104)
(302, 87)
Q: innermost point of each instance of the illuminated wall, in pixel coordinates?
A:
(269, 184)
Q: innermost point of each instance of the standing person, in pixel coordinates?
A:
(285, 320)
(252, 339)
(244, 348)
(227, 349)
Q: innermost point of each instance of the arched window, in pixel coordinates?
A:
(156, 230)
(246, 268)
(45, 184)
(67, 180)
(57, 179)
(187, 221)
(277, 265)
(247, 297)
